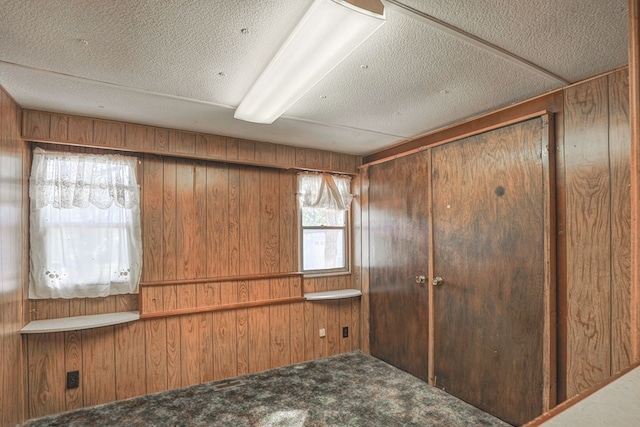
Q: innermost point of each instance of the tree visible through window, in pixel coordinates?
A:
(85, 225)
(324, 204)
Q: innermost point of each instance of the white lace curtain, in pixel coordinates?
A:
(321, 190)
(85, 225)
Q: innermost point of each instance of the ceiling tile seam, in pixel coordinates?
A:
(474, 40)
(114, 85)
(185, 99)
(337, 126)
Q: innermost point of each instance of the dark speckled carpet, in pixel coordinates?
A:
(346, 390)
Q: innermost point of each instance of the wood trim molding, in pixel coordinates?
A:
(550, 319)
(222, 279)
(467, 134)
(145, 287)
(551, 102)
(63, 129)
(634, 117)
(195, 310)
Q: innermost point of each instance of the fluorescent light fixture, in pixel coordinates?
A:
(326, 35)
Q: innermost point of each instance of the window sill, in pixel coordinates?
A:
(329, 295)
(316, 274)
(77, 323)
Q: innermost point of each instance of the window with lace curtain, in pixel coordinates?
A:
(84, 225)
(324, 202)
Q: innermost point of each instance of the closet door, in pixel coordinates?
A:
(492, 248)
(398, 209)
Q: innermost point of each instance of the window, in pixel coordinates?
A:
(85, 225)
(324, 222)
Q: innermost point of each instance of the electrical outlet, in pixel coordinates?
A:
(323, 332)
(73, 379)
(345, 332)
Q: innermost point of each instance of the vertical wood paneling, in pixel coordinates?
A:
(59, 130)
(232, 148)
(110, 134)
(288, 222)
(156, 355)
(74, 398)
(619, 149)
(152, 229)
(224, 337)
(364, 272)
(334, 328)
(211, 145)
(258, 327)
(74, 130)
(153, 269)
(249, 218)
(98, 356)
(234, 221)
(219, 223)
(161, 140)
(280, 324)
(130, 351)
(588, 221)
(269, 236)
(297, 322)
(46, 374)
(182, 142)
(170, 271)
(136, 136)
(13, 262)
(200, 219)
(345, 320)
(37, 124)
(246, 149)
(265, 152)
(242, 329)
(80, 130)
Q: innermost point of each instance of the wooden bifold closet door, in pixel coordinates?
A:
(477, 214)
(493, 249)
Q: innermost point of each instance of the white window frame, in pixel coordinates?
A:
(73, 196)
(346, 246)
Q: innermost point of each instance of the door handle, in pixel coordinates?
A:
(421, 279)
(437, 281)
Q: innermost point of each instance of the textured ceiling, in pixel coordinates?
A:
(188, 64)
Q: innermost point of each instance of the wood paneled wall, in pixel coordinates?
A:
(593, 224)
(13, 224)
(596, 293)
(88, 132)
(200, 219)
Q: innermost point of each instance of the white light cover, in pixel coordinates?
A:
(326, 35)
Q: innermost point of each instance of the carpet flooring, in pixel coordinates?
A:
(350, 389)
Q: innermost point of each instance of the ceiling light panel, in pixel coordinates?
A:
(326, 35)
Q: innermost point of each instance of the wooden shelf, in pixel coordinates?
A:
(327, 295)
(77, 323)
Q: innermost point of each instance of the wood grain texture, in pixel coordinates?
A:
(619, 149)
(156, 355)
(74, 398)
(279, 324)
(46, 374)
(109, 134)
(488, 239)
(397, 227)
(199, 219)
(588, 235)
(14, 161)
(98, 361)
(634, 122)
(50, 127)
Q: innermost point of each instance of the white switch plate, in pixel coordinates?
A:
(323, 333)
